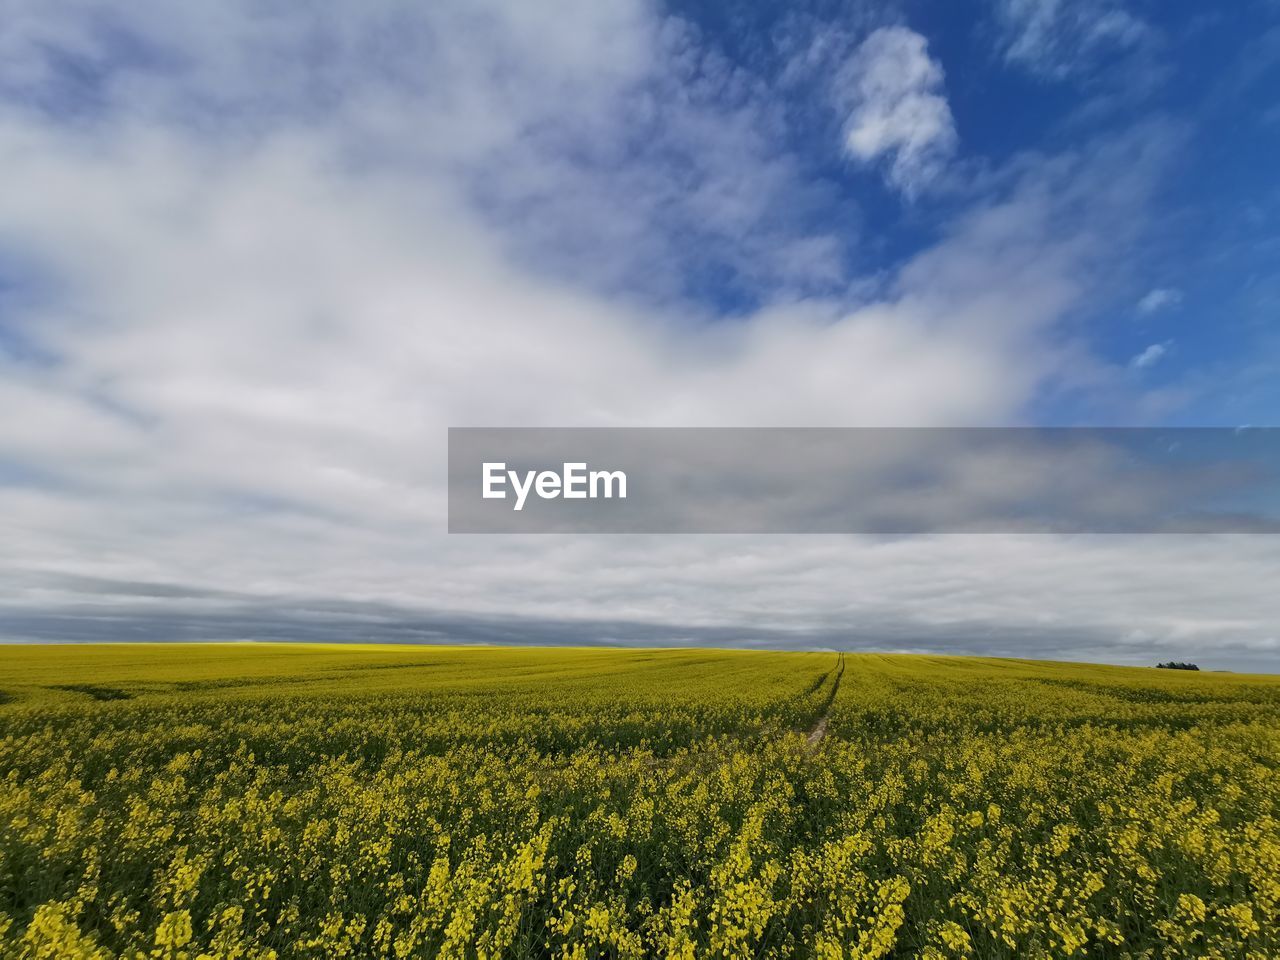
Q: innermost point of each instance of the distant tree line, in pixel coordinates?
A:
(1175, 665)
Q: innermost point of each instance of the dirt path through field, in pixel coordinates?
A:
(820, 728)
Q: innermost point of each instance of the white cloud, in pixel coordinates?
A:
(1061, 37)
(1159, 299)
(897, 110)
(1150, 356)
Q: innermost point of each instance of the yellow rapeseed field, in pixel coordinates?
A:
(255, 801)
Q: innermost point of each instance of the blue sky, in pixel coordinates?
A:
(1190, 303)
(255, 258)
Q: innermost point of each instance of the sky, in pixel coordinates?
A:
(257, 257)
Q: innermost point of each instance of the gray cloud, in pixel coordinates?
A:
(238, 617)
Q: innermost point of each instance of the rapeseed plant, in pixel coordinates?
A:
(271, 803)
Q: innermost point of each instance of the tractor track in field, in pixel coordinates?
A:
(702, 757)
(819, 729)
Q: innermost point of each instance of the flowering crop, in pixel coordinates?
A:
(287, 801)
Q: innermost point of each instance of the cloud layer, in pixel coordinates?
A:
(265, 256)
